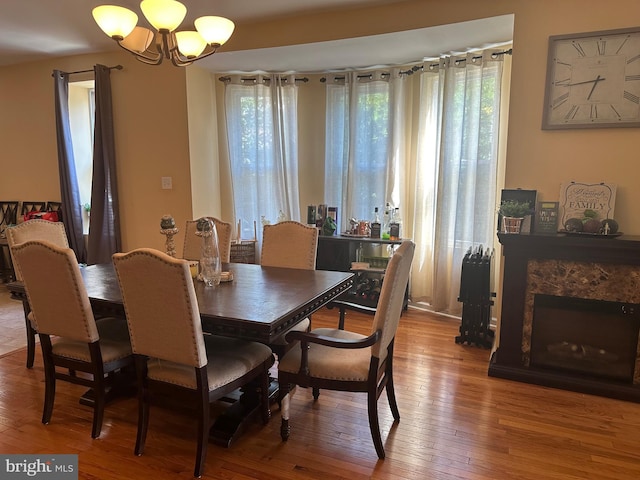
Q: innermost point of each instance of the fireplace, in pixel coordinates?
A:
(588, 337)
(570, 314)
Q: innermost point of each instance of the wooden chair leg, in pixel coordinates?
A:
(316, 393)
(203, 435)
(284, 400)
(265, 381)
(391, 396)
(31, 341)
(143, 425)
(374, 426)
(143, 405)
(49, 379)
(49, 391)
(98, 407)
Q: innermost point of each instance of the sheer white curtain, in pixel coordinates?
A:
(359, 175)
(456, 172)
(262, 126)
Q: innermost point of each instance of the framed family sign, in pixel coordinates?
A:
(586, 200)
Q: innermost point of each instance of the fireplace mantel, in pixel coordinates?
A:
(522, 255)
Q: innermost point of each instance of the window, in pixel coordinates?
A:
(81, 119)
(357, 147)
(262, 134)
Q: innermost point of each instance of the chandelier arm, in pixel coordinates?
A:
(169, 42)
(142, 58)
(179, 61)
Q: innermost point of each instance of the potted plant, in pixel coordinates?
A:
(513, 212)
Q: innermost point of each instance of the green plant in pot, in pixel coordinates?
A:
(512, 213)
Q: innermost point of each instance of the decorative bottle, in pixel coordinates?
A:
(395, 225)
(210, 264)
(376, 227)
(386, 218)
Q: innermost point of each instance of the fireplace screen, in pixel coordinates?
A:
(591, 337)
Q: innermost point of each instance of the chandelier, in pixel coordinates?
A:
(182, 48)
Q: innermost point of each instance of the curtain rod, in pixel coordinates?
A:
(416, 68)
(264, 79)
(473, 59)
(117, 67)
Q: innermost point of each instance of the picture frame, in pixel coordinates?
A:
(578, 197)
(546, 219)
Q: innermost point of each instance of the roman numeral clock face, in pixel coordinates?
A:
(593, 80)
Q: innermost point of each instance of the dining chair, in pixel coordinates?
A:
(8, 216)
(193, 243)
(53, 232)
(289, 244)
(55, 207)
(28, 206)
(171, 353)
(8, 213)
(70, 337)
(336, 359)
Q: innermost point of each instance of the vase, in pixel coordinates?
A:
(511, 224)
(210, 262)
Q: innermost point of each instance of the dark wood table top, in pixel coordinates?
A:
(259, 304)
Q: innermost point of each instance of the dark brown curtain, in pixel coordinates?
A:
(71, 207)
(104, 223)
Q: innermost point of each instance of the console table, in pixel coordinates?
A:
(337, 252)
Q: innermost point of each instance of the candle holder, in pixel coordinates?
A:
(168, 228)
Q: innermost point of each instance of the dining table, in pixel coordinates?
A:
(259, 304)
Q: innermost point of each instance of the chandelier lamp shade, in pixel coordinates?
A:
(165, 16)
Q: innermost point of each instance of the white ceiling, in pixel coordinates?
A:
(36, 29)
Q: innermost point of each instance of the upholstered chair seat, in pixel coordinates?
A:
(233, 358)
(114, 342)
(331, 363)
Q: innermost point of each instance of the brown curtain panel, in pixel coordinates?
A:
(71, 208)
(104, 223)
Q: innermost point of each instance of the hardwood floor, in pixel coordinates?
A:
(456, 423)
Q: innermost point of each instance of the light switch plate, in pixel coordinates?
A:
(167, 183)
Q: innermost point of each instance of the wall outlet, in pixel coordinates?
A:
(167, 183)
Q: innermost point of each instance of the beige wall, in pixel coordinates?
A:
(152, 137)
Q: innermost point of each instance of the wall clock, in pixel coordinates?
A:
(593, 80)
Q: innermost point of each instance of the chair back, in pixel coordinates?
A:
(28, 206)
(161, 306)
(55, 207)
(56, 291)
(52, 232)
(8, 213)
(391, 298)
(193, 243)
(289, 244)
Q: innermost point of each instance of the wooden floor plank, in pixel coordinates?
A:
(456, 423)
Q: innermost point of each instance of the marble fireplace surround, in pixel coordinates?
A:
(578, 266)
(593, 281)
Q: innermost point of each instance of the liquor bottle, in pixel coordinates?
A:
(376, 226)
(386, 218)
(395, 225)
